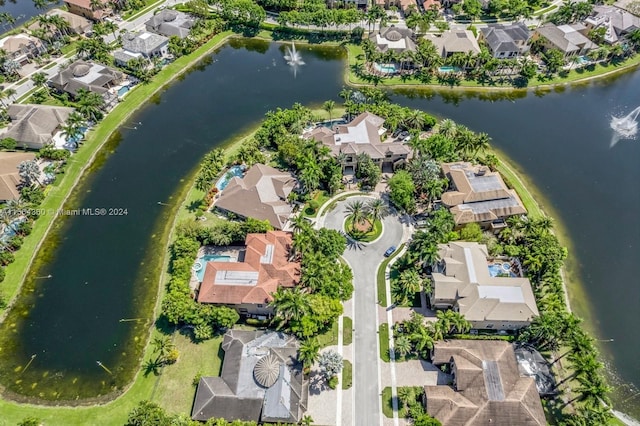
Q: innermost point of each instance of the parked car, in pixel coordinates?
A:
(389, 251)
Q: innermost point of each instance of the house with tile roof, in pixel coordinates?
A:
(84, 8)
(393, 38)
(454, 41)
(247, 285)
(9, 177)
(465, 281)
(476, 194)
(261, 194)
(361, 136)
(89, 76)
(33, 126)
(77, 24)
(617, 22)
(143, 45)
(261, 381)
(487, 387)
(169, 23)
(506, 41)
(22, 48)
(570, 39)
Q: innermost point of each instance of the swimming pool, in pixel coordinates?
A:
(385, 68)
(123, 91)
(449, 69)
(201, 264)
(500, 268)
(75, 139)
(234, 171)
(332, 123)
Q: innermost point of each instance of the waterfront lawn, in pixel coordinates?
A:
(175, 392)
(515, 181)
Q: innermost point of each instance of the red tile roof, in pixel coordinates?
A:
(268, 256)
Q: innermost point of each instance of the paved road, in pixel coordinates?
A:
(364, 262)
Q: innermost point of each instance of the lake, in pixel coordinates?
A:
(105, 269)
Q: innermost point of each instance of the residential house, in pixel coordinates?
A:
(487, 387)
(77, 24)
(170, 23)
(89, 76)
(261, 194)
(261, 381)
(22, 48)
(144, 45)
(465, 280)
(431, 4)
(405, 6)
(247, 286)
(394, 39)
(361, 136)
(360, 4)
(84, 8)
(33, 126)
(617, 22)
(476, 194)
(9, 177)
(454, 41)
(506, 41)
(568, 39)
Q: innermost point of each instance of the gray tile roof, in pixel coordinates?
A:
(145, 42)
(394, 38)
(506, 38)
(237, 394)
(34, 125)
(85, 75)
(566, 38)
(170, 22)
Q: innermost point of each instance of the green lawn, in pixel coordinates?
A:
(523, 190)
(347, 331)
(347, 375)
(174, 392)
(362, 236)
(319, 197)
(330, 337)
(383, 335)
(381, 285)
(387, 405)
(130, 15)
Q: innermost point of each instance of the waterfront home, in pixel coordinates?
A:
(170, 23)
(490, 295)
(569, 39)
(506, 41)
(487, 387)
(88, 10)
(616, 22)
(247, 286)
(405, 6)
(476, 194)
(22, 48)
(261, 381)
(261, 194)
(33, 126)
(89, 76)
(361, 136)
(77, 24)
(394, 39)
(144, 45)
(9, 177)
(454, 41)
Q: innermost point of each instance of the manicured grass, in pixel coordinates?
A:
(347, 331)
(174, 391)
(381, 285)
(347, 375)
(323, 115)
(115, 412)
(24, 80)
(524, 192)
(387, 405)
(130, 15)
(49, 65)
(383, 335)
(330, 337)
(616, 422)
(361, 236)
(320, 197)
(335, 202)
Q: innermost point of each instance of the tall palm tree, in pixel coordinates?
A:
(290, 304)
(423, 340)
(376, 209)
(39, 79)
(163, 347)
(357, 211)
(309, 352)
(329, 106)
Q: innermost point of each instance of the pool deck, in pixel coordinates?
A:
(235, 253)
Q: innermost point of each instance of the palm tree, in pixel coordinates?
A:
(403, 345)
(329, 106)
(112, 27)
(163, 347)
(290, 304)
(307, 420)
(423, 340)
(459, 323)
(309, 352)
(40, 80)
(415, 120)
(96, 4)
(376, 209)
(357, 211)
(409, 283)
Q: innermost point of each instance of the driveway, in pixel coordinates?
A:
(364, 261)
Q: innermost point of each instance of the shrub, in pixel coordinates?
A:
(2, 274)
(8, 144)
(256, 322)
(196, 378)
(6, 257)
(333, 382)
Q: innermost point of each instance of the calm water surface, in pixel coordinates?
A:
(21, 10)
(561, 141)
